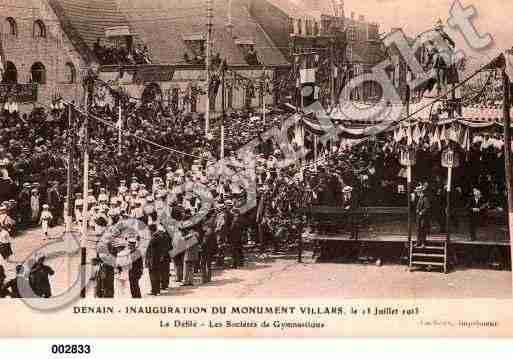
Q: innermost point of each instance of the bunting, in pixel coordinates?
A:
(443, 135)
(416, 134)
(409, 136)
(466, 141)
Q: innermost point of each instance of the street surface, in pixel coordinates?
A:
(282, 276)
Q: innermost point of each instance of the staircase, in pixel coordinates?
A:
(434, 254)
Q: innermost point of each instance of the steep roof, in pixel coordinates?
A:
(368, 53)
(162, 25)
(292, 9)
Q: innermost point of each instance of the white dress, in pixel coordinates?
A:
(121, 283)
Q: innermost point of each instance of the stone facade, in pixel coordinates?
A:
(35, 44)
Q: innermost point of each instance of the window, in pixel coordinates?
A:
(309, 28)
(291, 26)
(349, 54)
(351, 33)
(196, 43)
(316, 30)
(12, 28)
(152, 93)
(10, 74)
(69, 73)
(38, 73)
(39, 29)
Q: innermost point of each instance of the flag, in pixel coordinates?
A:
(504, 60)
(307, 85)
(508, 55)
(436, 138)
(423, 131)
(466, 141)
(416, 135)
(2, 67)
(400, 134)
(443, 136)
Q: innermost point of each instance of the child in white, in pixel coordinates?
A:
(46, 217)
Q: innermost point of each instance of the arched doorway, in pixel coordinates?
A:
(10, 74)
(38, 72)
(152, 93)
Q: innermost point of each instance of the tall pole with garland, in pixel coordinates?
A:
(207, 64)
(89, 83)
(120, 126)
(69, 185)
(332, 74)
(223, 106)
(506, 108)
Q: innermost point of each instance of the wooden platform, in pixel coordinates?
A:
(392, 238)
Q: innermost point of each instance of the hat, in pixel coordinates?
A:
(46, 206)
(419, 188)
(132, 240)
(347, 189)
(229, 202)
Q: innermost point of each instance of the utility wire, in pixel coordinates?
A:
(110, 124)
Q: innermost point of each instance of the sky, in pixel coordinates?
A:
(415, 16)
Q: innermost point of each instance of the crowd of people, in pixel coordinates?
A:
(34, 170)
(110, 54)
(136, 179)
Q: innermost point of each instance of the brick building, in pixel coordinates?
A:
(302, 26)
(51, 42)
(37, 50)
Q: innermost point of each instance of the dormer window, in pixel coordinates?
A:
(248, 49)
(196, 43)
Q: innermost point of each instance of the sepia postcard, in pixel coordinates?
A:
(256, 168)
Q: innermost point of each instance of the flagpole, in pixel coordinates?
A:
(89, 83)
(316, 156)
(209, 39)
(263, 109)
(223, 105)
(507, 152)
(85, 195)
(69, 184)
(120, 128)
